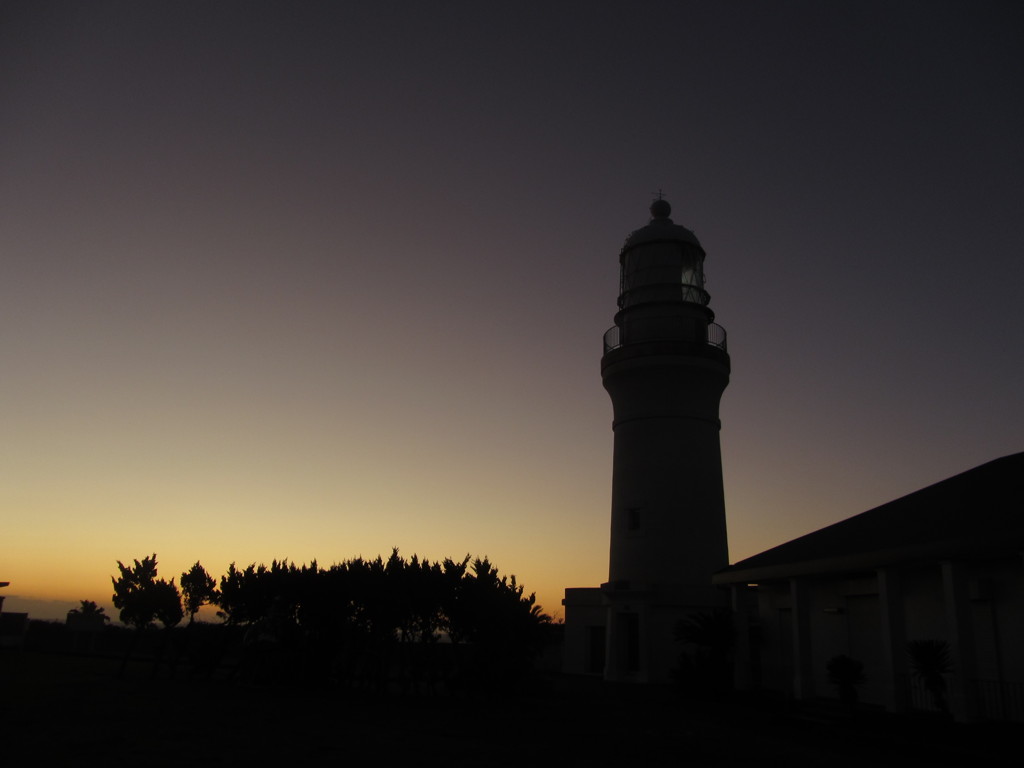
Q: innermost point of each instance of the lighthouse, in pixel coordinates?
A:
(665, 367)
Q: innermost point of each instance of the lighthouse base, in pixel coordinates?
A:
(633, 634)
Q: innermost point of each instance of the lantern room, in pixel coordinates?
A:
(662, 262)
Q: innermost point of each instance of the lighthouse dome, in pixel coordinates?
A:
(661, 229)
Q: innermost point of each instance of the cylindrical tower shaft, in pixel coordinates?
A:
(665, 368)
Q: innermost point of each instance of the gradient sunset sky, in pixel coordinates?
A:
(319, 279)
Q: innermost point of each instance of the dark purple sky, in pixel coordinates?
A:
(318, 279)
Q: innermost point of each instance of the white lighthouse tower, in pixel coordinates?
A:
(665, 367)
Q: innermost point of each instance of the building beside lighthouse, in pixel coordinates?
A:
(665, 367)
(940, 567)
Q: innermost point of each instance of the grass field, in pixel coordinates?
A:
(77, 710)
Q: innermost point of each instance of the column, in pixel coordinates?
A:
(894, 638)
(803, 680)
(961, 639)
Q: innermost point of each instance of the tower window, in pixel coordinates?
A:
(633, 519)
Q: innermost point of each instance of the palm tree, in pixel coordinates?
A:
(88, 614)
(85, 623)
(930, 662)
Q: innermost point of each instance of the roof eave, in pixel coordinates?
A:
(872, 560)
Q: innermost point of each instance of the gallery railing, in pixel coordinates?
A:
(715, 337)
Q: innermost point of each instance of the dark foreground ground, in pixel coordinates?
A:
(76, 710)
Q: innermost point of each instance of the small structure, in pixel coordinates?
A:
(943, 564)
(665, 367)
(13, 626)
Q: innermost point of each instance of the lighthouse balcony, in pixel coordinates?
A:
(615, 338)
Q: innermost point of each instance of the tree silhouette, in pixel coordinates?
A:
(198, 588)
(134, 594)
(373, 624)
(496, 631)
(253, 595)
(167, 603)
(143, 599)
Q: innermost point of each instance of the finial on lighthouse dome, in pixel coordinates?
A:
(660, 209)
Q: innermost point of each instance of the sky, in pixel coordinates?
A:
(316, 280)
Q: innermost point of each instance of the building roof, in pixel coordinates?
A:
(978, 512)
